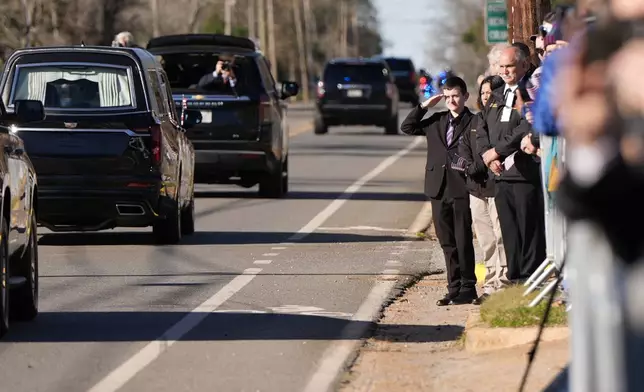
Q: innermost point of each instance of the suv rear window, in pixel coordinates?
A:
(355, 73)
(400, 64)
(74, 86)
(184, 71)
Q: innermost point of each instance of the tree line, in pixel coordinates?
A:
(298, 36)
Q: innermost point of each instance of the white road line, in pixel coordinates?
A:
(124, 373)
(337, 354)
(264, 262)
(363, 228)
(278, 248)
(270, 254)
(393, 263)
(332, 362)
(335, 205)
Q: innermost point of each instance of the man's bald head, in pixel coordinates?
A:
(513, 65)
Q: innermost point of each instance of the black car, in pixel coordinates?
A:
(356, 92)
(111, 151)
(243, 136)
(404, 72)
(18, 225)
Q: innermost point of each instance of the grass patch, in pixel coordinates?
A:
(509, 308)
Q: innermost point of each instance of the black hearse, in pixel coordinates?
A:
(111, 151)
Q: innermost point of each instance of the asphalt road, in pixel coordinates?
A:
(267, 295)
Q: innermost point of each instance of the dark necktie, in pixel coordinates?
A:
(450, 132)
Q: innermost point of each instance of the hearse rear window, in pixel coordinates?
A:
(74, 86)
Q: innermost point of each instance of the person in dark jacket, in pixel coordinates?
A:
(445, 185)
(518, 191)
(222, 78)
(480, 184)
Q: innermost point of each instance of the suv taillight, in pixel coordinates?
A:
(264, 110)
(390, 90)
(156, 141)
(321, 90)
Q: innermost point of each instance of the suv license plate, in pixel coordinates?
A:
(354, 93)
(206, 116)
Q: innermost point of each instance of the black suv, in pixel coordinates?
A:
(356, 92)
(406, 79)
(111, 151)
(243, 135)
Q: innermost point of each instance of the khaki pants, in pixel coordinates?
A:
(488, 233)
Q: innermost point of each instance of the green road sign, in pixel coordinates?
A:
(496, 21)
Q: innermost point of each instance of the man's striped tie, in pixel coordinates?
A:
(450, 132)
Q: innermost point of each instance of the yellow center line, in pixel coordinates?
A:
(294, 131)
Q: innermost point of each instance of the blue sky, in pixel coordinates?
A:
(403, 24)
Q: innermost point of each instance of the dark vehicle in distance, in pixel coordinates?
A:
(243, 136)
(356, 92)
(404, 72)
(111, 151)
(18, 222)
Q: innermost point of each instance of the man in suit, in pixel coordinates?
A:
(518, 193)
(445, 185)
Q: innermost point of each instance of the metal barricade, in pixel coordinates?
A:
(555, 223)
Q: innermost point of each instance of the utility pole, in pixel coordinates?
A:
(304, 75)
(261, 19)
(154, 11)
(355, 33)
(343, 28)
(271, 37)
(228, 16)
(525, 18)
(252, 23)
(309, 29)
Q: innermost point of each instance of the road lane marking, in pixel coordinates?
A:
(339, 351)
(335, 205)
(278, 248)
(130, 368)
(362, 228)
(264, 262)
(298, 130)
(393, 263)
(270, 254)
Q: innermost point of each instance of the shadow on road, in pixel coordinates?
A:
(67, 327)
(208, 238)
(316, 195)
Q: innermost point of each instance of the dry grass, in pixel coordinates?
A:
(509, 308)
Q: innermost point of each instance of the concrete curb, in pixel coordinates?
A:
(481, 338)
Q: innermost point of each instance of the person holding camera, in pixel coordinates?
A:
(222, 76)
